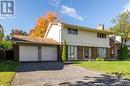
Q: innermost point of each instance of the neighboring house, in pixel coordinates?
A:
(128, 44)
(115, 43)
(114, 47)
(82, 43)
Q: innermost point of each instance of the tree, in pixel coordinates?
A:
(1, 33)
(5, 45)
(42, 23)
(64, 51)
(7, 37)
(122, 28)
(18, 32)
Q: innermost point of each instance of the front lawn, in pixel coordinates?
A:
(7, 74)
(111, 67)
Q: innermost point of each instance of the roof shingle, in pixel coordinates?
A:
(27, 39)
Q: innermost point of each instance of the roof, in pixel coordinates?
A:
(85, 28)
(65, 25)
(35, 40)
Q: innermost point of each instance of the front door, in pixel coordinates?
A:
(72, 52)
(86, 52)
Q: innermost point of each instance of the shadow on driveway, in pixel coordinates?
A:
(58, 74)
(39, 66)
(105, 80)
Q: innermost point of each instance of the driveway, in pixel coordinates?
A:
(58, 74)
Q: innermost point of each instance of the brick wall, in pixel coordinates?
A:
(94, 52)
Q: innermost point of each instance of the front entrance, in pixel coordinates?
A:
(72, 52)
(87, 52)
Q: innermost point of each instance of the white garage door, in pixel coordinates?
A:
(28, 53)
(49, 53)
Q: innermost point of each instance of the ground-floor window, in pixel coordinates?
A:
(102, 52)
(72, 52)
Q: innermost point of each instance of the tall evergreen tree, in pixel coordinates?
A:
(64, 51)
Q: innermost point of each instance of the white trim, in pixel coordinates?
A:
(90, 52)
(83, 54)
(48, 29)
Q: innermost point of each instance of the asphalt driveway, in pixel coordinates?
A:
(58, 74)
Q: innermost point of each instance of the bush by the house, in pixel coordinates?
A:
(99, 59)
(6, 45)
(5, 50)
(123, 54)
(64, 52)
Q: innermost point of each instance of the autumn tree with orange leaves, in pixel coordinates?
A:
(42, 23)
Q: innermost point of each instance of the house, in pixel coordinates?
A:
(82, 43)
(115, 44)
(128, 44)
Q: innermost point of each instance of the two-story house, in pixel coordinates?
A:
(82, 43)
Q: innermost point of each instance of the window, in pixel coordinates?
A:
(69, 30)
(72, 31)
(102, 52)
(101, 35)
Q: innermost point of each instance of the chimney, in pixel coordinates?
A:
(100, 27)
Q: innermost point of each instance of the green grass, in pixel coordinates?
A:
(7, 74)
(110, 67)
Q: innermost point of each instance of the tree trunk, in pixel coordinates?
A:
(125, 41)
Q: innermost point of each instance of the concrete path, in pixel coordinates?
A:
(57, 74)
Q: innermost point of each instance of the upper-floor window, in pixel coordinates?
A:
(101, 35)
(72, 31)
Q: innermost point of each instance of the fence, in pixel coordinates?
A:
(8, 54)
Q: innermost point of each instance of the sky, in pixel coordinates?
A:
(88, 13)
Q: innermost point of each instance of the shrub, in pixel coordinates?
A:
(99, 59)
(123, 54)
(64, 52)
(6, 45)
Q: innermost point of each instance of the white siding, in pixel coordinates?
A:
(118, 38)
(55, 32)
(90, 52)
(28, 53)
(84, 38)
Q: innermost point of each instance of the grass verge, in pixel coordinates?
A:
(110, 67)
(7, 72)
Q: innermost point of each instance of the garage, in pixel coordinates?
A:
(31, 53)
(49, 53)
(35, 49)
(28, 53)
